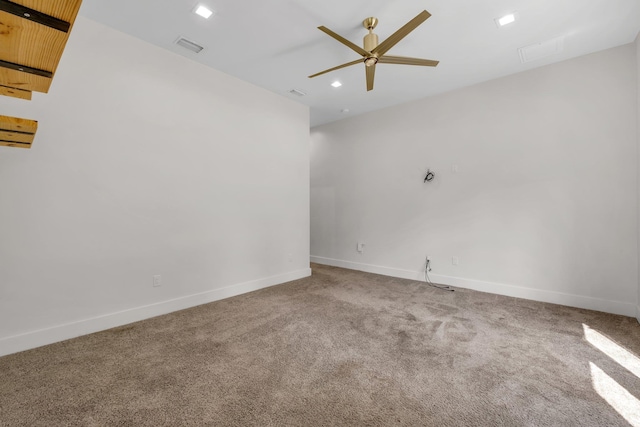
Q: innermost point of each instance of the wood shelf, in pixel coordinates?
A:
(33, 35)
(16, 93)
(16, 132)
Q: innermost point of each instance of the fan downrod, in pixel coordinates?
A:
(371, 39)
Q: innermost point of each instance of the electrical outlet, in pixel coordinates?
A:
(360, 247)
(455, 260)
(157, 280)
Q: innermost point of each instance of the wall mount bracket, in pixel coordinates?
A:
(430, 176)
(34, 15)
(25, 69)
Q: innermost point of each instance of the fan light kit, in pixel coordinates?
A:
(336, 84)
(374, 53)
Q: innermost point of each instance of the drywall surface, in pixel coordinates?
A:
(637, 44)
(534, 192)
(145, 163)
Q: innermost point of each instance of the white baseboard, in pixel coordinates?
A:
(638, 312)
(615, 307)
(58, 333)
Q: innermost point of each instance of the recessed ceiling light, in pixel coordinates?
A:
(336, 84)
(506, 19)
(344, 110)
(203, 11)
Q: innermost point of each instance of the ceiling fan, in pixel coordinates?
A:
(374, 53)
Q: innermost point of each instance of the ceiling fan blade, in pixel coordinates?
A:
(371, 72)
(348, 64)
(407, 61)
(344, 41)
(394, 38)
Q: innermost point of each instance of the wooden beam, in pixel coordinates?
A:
(15, 144)
(66, 10)
(16, 132)
(34, 15)
(16, 136)
(17, 124)
(16, 93)
(24, 81)
(25, 69)
(29, 51)
(29, 47)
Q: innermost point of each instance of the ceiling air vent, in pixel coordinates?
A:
(541, 50)
(297, 92)
(188, 44)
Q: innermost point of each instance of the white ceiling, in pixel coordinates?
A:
(275, 44)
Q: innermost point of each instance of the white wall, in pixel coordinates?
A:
(145, 163)
(543, 205)
(637, 44)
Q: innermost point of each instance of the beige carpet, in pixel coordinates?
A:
(339, 348)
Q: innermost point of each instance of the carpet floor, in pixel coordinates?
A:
(339, 348)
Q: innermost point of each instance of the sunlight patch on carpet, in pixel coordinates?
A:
(618, 353)
(615, 395)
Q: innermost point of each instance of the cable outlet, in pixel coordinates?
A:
(157, 280)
